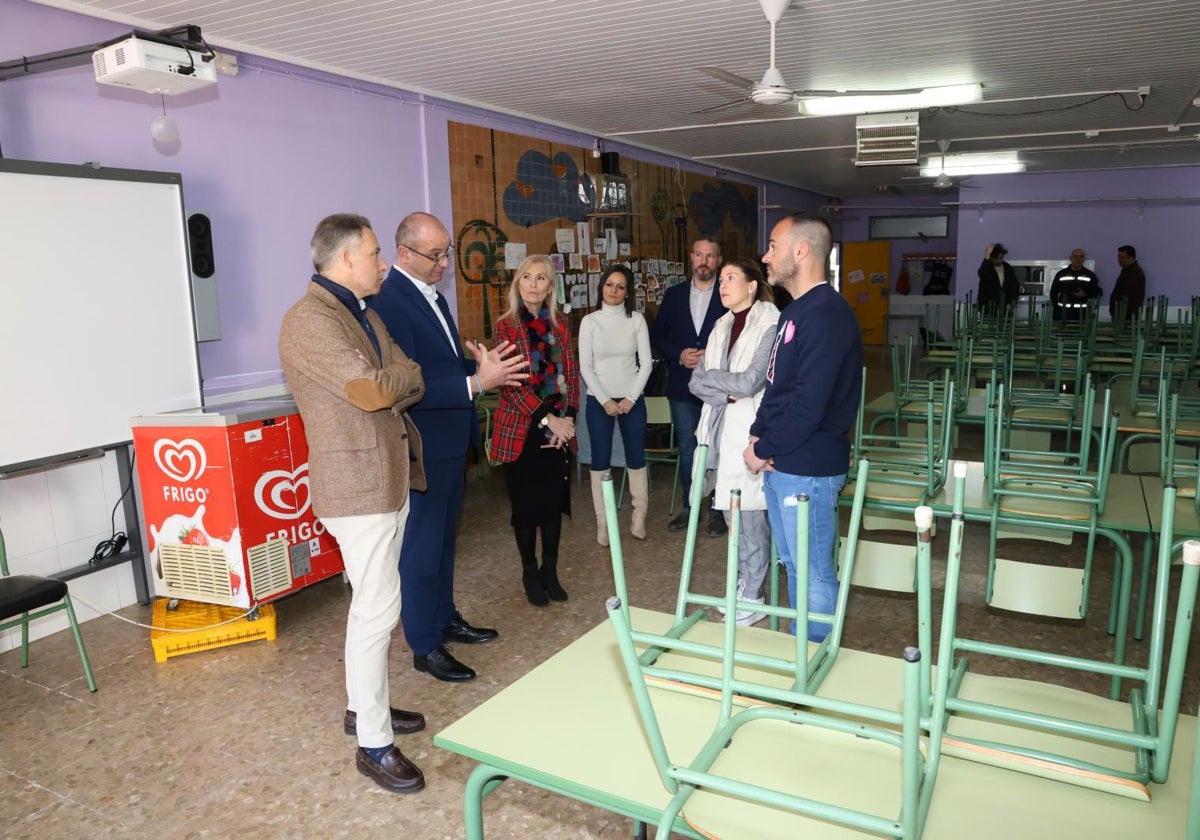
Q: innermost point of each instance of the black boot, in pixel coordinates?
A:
(535, 590)
(549, 570)
(716, 521)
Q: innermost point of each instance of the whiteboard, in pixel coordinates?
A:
(96, 319)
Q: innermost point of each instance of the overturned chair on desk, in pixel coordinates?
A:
(743, 779)
(1061, 733)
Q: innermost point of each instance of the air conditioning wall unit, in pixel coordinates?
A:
(886, 139)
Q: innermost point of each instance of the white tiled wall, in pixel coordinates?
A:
(53, 521)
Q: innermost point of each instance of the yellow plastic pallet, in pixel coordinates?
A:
(204, 636)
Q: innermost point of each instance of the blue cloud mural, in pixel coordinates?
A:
(709, 206)
(546, 189)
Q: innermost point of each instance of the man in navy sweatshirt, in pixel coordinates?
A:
(800, 437)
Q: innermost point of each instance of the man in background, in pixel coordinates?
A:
(419, 321)
(1130, 286)
(680, 333)
(800, 437)
(352, 385)
(1073, 288)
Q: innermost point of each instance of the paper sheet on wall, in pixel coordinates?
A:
(565, 239)
(514, 253)
(576, 262)
(855, 276)
(585, 237)
(593, 282)
(610, 245)
(624, 249)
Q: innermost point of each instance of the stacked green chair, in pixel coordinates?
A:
(1120, 747)
(780, 760)
(809, 662)
(1036, 493)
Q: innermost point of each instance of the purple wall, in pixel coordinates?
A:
(1163, 232)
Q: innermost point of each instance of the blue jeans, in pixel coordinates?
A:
(685, 414)
(781, 490)
(633, 434)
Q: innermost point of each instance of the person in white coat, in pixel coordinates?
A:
(730, 382)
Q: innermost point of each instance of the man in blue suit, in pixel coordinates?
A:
(680, 332)
(418, 319)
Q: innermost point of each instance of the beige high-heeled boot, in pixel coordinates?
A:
(639, 491)
(598, 504)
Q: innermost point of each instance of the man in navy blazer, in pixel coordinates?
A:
(419, 321)
(680, 333)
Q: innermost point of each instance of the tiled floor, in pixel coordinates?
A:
(246, 741)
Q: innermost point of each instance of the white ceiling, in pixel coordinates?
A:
(620, 66)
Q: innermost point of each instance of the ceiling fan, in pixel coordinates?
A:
(771, 89)
(944, 181)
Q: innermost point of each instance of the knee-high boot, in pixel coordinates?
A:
(639, 491)
(530, 578)
(549, 570)
(598, 505)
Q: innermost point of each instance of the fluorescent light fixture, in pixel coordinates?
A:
(982, 163)
(830, 106)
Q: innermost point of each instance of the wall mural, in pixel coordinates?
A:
(513, 195)
(710, 205)
(548, 188)
(480, 250)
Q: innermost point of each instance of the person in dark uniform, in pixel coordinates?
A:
(1073, 289)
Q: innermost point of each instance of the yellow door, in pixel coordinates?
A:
(865, 283)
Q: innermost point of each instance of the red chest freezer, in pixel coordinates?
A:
(225, 496)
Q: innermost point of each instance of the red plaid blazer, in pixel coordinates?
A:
(519, 406)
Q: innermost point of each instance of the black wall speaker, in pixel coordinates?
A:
(610, 163)
(200, 244)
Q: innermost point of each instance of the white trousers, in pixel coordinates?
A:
(370, 548)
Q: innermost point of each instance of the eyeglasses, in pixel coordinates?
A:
(446, 256)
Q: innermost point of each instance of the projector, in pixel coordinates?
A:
(152, 67)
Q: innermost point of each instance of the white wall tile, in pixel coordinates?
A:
(25, 514)
(100, 590)
(44, 562)
(113, 488)
(77, 500)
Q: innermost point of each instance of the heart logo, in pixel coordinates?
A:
(283, 494)
(180, 460)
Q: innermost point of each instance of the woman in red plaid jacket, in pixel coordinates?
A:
(533, 430)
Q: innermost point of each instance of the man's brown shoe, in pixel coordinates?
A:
(395, 773)
(403, 723)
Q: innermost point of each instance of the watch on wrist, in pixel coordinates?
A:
(544, 422)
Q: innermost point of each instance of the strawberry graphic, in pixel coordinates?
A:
(193, 536)
(235, 582)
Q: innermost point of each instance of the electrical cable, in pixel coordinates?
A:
(113, 545)
(959, 109)
(102, 611)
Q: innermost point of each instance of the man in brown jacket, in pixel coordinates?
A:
(352, 385)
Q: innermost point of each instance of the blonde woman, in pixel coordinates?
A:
(534, 424)
(730, 382)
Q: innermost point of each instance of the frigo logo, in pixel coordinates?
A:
(181, 460)
(282, 494)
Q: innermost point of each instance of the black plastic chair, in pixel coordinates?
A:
(32, 596)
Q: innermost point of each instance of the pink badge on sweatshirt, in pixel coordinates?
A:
(789, 331)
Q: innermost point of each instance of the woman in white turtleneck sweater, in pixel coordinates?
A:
(614, 361)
